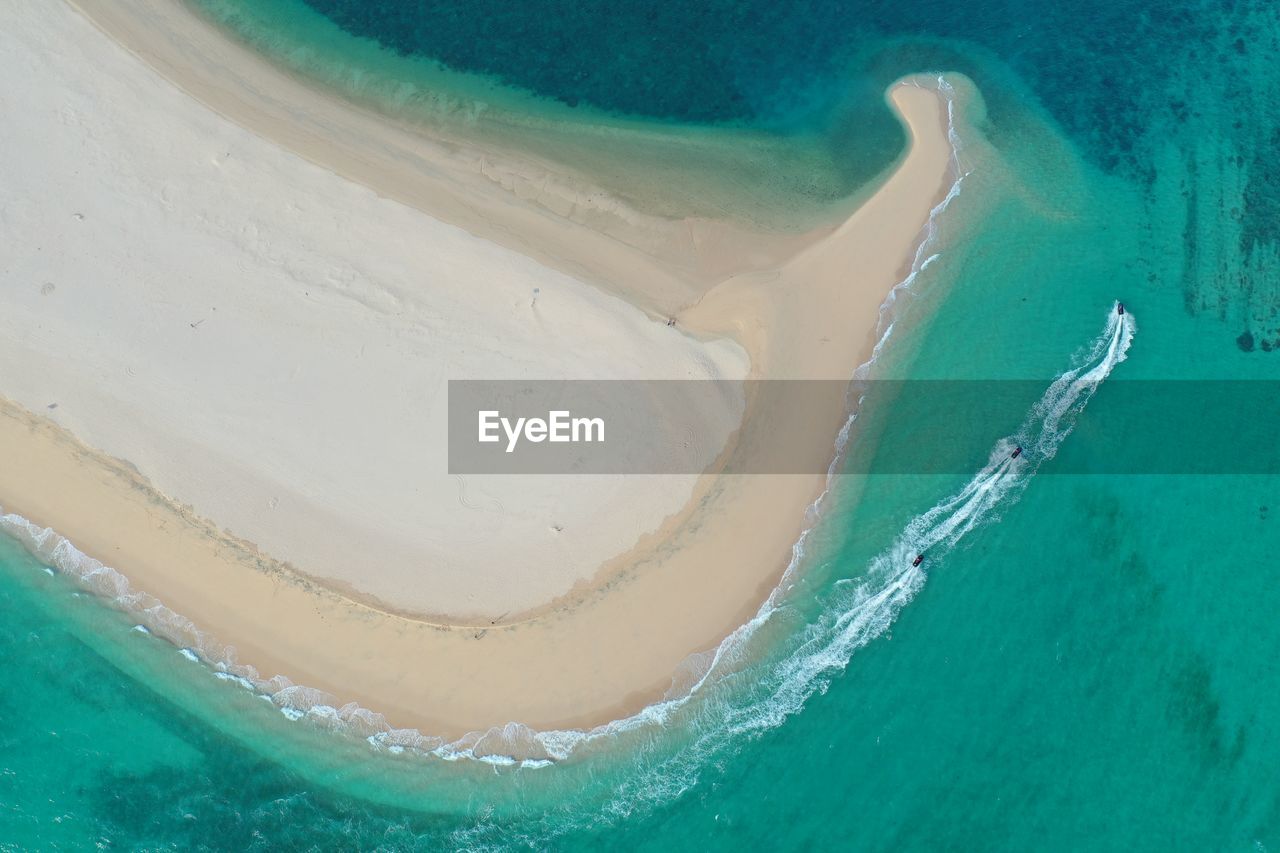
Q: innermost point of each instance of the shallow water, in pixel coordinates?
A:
(1092, 666)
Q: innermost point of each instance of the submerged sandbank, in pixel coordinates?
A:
(145, 370)
(494, 186)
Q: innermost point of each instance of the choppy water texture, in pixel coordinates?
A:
(1080, 661)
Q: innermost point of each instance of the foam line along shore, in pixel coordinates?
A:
(159, 475)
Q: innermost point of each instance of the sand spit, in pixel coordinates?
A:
(218, 298)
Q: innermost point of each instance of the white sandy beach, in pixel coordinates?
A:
(279, 358)
(262, 329)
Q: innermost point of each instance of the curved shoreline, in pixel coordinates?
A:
(570, 666)
(494, 188)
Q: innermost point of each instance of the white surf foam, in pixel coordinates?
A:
(864, 609)
(925, 253)
(824, 645)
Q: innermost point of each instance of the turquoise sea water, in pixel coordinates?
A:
(1090, 665)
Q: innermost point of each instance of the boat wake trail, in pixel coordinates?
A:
(1036, 441)
(862, 609)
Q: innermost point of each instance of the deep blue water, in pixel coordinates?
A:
(1094, 667)
(1178, 99)
(1100, 68)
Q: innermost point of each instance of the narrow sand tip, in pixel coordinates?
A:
(266, 412)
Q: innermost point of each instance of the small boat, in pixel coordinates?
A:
(1017, 451)
(1120, 308)
(918, 560)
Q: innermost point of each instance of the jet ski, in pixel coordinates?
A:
(918, 560)
(1017, 451)
(1120, 308)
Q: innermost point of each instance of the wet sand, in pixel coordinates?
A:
(232, 466)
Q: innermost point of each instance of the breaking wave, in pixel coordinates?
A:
(514, 743)
(749, 683)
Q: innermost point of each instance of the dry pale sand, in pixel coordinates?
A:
(260, 324)
(278, 358)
